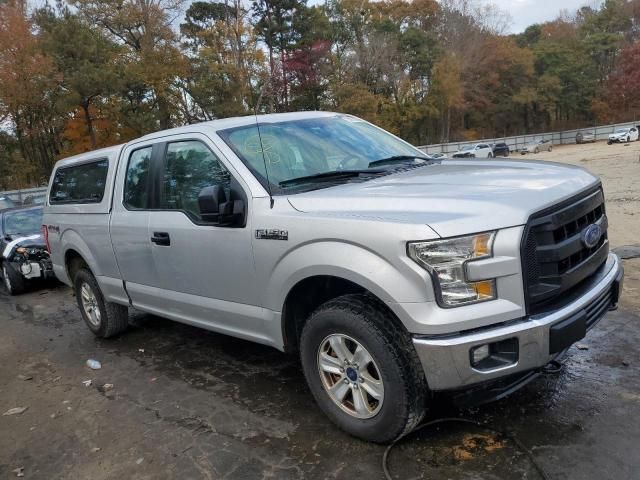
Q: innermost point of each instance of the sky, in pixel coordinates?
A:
(526, 12)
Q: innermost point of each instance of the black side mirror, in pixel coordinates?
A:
(209, 201)
(215, 208)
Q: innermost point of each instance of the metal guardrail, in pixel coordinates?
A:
(26, 196)
(516, 142)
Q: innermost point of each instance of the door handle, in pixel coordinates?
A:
(161, 238)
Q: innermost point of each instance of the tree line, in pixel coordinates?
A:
(84, 74)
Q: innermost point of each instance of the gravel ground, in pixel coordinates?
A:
(191, 404)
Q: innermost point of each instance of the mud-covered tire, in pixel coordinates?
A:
(364, 319)
(113, 318)
(12, 280)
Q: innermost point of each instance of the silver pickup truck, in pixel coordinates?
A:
(395, 276)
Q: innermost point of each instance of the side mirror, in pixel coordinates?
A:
(216, 209)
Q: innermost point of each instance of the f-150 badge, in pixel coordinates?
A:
(272, 234)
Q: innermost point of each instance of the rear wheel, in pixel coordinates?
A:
(628, 139)
(13, 280)
(104, 319)
(490, 155)
(362, 369)
(550, 148)
(537, 150)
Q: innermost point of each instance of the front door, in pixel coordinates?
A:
(206, 271)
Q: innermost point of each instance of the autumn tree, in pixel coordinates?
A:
(85, 59)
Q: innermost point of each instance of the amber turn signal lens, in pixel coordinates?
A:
(484, 289)
(482, 244)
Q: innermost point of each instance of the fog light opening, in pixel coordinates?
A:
(494, 355)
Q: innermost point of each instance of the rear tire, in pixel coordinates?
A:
(13, 280)
(104, 319)
(379, 399)
(490, 155)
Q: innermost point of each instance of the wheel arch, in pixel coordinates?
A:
(311, 292)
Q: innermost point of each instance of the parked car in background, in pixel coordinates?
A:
(438, 155)
(479, 150)
(6, 202)
(500, 149)
(537, 147)
(24, 256)
(623, 135)
(585, 137)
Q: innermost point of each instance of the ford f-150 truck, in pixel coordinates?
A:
(393, 275)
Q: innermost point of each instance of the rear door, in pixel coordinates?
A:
(133, 199)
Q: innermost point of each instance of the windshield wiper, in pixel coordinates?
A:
(330, 176)
(398, 158)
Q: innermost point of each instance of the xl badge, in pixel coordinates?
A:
(272, 234)
(591, 235)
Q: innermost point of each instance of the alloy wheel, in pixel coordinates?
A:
(90, 305)
(350, 376)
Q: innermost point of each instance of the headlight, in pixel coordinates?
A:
(446, 259)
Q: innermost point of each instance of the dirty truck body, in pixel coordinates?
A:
(393, 275)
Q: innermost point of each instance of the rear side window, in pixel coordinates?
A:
(80, 183)
(136, 184)
(188, 168)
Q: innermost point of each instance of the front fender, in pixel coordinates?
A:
(388, 282)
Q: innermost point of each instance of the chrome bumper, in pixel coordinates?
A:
(446, 360)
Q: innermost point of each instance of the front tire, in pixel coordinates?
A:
(104, 319)
(362, 369)
(13, 280)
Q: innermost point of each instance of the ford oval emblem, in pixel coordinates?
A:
(591, 235)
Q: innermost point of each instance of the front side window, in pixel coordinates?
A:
(189, 167)
(136, 184)
(284, 151)
(80, 183)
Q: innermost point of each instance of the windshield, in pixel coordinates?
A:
(6, 203)
(22, 222)
(310, 147)
(622, 130)
(467, 147)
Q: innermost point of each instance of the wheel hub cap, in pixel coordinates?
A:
(350, 376)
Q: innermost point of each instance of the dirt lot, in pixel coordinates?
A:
(192, 404)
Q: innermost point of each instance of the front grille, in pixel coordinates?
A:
(555, 260)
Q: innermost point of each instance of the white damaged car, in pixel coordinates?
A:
(623, 135)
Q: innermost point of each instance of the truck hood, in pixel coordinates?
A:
(35, 240)
(453, 197)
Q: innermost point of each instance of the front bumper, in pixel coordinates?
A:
(446, 360)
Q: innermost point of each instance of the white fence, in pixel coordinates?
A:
(517, 142)
(26, 196)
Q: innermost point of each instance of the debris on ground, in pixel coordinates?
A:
(15, 411)
(87, 383)
(94, 364)
(626, 363)
(105, 388)
(95, 449)
(24, 377)
(19, 471)
(141, 350)
(582, 346)
(139, 461)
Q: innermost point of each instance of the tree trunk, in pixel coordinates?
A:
(89, 122)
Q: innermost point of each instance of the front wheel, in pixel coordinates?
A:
(104, 319)
(550, 149)
(13, 280)
(628, 139)
(362, 369)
